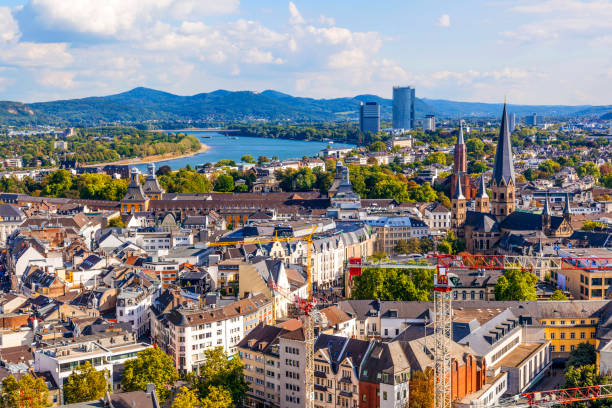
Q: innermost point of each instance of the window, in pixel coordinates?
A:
(562, 348)
(384, 395)
(552, 336)
(572, 335)
(562, 335)
(582, 335)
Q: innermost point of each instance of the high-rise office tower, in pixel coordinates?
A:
(532, 120)
(369, 117)
(403, 107)
(429, 123)
(512, 122)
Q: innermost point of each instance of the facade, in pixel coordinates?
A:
(429, 123)
(133, 308)
(390, 230)
(403, 107)
(135, 199)
(369, 117)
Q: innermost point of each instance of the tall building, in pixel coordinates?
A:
(512, 120)
(403, 107)
(460, 169)
(532, 120)
(503, 180)
(369, 117)
(429, 124)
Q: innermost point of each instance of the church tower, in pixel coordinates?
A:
(135, 199)
(503, 183)
(460, 153)
(151, 186)
(567, 210)
(458, 211)
(482, 198)
(546, 216)
(460, 168)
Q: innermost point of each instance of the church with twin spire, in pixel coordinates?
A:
(495, 217)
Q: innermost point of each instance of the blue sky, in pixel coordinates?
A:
(530, 51)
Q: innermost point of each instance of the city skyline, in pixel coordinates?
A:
(537, 52)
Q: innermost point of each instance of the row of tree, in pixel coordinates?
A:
(220, 383)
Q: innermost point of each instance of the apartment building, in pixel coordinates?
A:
(165, 271)
(292, 364)
(390, 230)
(191, 331)
(105, 351)
(133, 307)
(260, 353)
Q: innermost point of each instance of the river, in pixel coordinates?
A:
(234, 147)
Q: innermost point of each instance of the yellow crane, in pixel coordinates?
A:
(305, 306)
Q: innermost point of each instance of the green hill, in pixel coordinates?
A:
(149, 105)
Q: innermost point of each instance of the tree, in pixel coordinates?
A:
(584, 376)
(516, 284)
(558, 295)
(224, 183)
(218, 397)
(186, 399)
(241, 188)
(225, 162)
(437, 157)
(57, 183)
(422, 389)
(163, 170)
(377, 146)
(427, 245)
(591, 225)
(401, 247)
(582, 355)
(85, 384)
(247, 158)
(393, 284)
(151, 366)
(116, 222)
(25, 393)
(220, 372)
(588, 169)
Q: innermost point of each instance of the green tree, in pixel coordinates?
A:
(57, 183)
(116, 222)
(241, 188)
(516, 284)
(224, 183)
(225, 162)
(393, 284)
(584, 376)
(582, 355)
(377, 146)
(85, 384)
(220, 372)
(558, 295)
(422, 389)
(589, 225)
(588, 169)
(401, 247)
(437, 157)
(25, 393)
(186, 398)
(427, 245)
(247, 158)
(548, 168)
(218, 397)
(151, 366)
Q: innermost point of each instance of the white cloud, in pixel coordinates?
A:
(556, 18)
(326, 21)
(56, 79)
(111, 17)
(256, 56)
(9, 29)
(444, 21)
(295, 16)
(34, 55)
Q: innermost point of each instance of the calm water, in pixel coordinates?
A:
(222, 147)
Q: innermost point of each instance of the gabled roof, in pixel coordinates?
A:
(481, 222)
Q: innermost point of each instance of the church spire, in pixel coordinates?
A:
(460, 137)
(458, 193)
(503, 170)
(482, 188)
(546, 210)
(567, 210)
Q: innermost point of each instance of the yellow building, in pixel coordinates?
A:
(135, 199)
(151, 187)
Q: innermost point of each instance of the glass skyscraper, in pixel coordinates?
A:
(369, 117)
(403, 107)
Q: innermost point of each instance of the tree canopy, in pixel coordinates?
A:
(151, 366)
(27, 392)
(220, 374)
(393, 284)
(516, 284)
(85, 384)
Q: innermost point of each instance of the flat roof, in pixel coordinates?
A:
(521, 353)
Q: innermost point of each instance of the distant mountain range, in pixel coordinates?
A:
(144, 104)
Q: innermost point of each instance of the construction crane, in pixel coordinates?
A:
(306, 307)
(442, 325)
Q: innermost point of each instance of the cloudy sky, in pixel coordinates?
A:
(531, 51)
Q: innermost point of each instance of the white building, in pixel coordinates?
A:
(133, 307)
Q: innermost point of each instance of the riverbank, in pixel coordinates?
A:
(152, 159)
